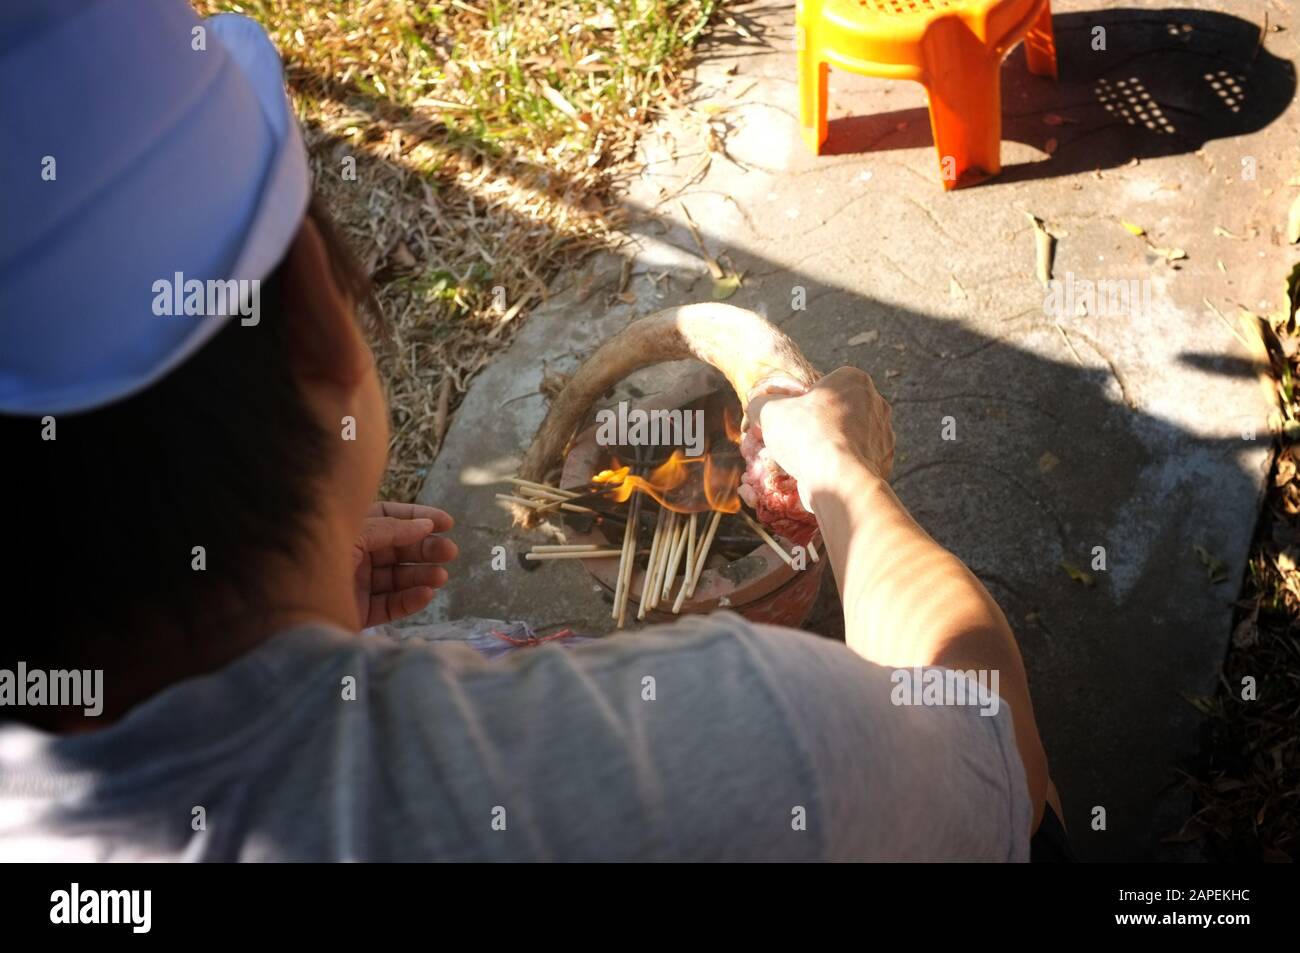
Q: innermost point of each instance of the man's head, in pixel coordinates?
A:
(172, 467)
(208, 495)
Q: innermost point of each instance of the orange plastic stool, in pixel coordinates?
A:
(954, 48)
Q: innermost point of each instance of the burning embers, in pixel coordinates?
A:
(673, 514)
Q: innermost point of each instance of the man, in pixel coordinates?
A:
(200, 434)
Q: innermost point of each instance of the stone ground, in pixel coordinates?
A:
(1074, 430)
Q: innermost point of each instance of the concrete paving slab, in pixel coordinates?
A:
(1121, 424)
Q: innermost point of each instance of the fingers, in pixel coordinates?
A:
(391, 540)
(381, 533)
(432, 549)
(406, 576)
(390, 606)
(413, 511)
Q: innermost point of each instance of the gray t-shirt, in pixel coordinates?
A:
(712, 739)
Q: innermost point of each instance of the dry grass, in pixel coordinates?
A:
(488, 139)
(1247, 777)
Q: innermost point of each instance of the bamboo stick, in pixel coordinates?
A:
(691, 544)
(537, 504)
(564, 547)
(628, 562)
(670, 532)
(587, 554)
(767, 538)
(702, 551)
(674, 557)
(656, 544)
(629, 530)
(542, 487)
(690, 564)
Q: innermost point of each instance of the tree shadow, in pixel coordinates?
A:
(1051, 461)
(1167, 82)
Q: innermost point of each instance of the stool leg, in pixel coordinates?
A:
(813, 80)
(1040, 45)
(966, 116)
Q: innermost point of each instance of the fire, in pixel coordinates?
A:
(695, 484)
(731, 426)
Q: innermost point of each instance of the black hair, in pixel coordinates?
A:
(222, 453)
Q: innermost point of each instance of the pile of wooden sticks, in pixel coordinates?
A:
(679, 545)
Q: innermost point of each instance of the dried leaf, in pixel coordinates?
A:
(1215, 568)
(1078, 575)
(1285, 472)
(556, 99)
(402, 256)
(440, 412)
(1044, 250)
(1246, 633)
(725, 287)
(1202, 703)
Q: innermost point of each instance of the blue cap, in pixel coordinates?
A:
(143, 148)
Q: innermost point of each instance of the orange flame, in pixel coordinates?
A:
(719, 483)
(731, 426)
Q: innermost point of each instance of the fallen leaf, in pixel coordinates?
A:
(1285, 472)
(1215, 569)
(1078, 575)
(1044, 249)
(1132, 229)
(866, 337)
(1202, 703)
(556, 99)
(402, 256)
(440, 413)
(725, 287)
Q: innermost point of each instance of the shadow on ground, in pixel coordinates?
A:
(1051, 462)
(1053, 458)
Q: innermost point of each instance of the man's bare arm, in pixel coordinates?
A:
(907, 600)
